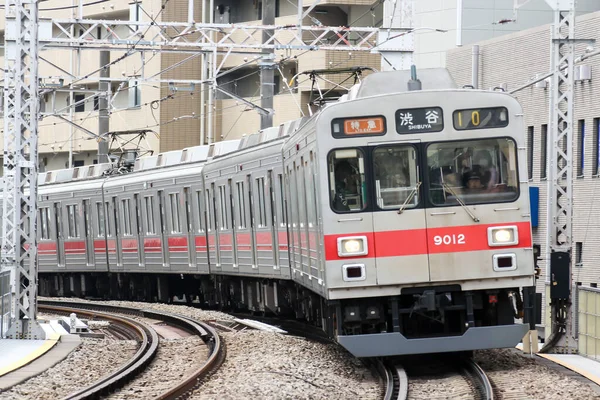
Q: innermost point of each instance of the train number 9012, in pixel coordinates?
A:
(439, 240)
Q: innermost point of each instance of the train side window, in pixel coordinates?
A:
(281, 188)
(115, 212)
(200, 211)
(223, 208)
(241, 198)
(209, 211)
(45, 223)
(100, 212)
(72, 216)
(126, 217)
(174, 206)
(347, 182)
(260, 191)
(138, 216)
(188, 209)
(149, 200)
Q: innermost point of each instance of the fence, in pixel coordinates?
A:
(588, 303)
(5, 302)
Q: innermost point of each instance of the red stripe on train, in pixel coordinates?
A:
(454, 239)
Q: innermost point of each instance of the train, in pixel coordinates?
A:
(396, 219)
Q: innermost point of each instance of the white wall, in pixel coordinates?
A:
(479, 22)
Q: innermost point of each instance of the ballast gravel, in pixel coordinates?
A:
(258, 365)
(518, 376)
(266, 365)
(175, 360)
(93, 359)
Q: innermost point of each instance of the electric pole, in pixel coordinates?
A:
(267, 66)
(21, 108)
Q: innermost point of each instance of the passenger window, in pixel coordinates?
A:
(347, 184)
(72, 215)
(396, 177)
(100, 213)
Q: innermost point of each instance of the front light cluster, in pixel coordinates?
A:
(352, 246)
(503, 236)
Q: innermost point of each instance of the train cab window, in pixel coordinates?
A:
(396, 177)
(472, 172)
(72, 215)
(347, 184)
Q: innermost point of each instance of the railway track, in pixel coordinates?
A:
(148, 339)
(435, 378)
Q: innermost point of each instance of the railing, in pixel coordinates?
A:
(588, 310)
(5, 302)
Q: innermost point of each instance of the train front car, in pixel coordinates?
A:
(426, 217)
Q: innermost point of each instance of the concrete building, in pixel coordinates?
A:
(177, 117)
(511, 61)
(470, 21)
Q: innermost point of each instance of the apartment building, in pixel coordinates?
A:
(175, 116)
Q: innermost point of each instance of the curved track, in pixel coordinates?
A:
(127, 328)
(149, 345)
(480, 380)
(395, 381)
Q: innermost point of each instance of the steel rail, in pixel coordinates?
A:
(144, 355)
(395, 380)
(483, 382)
(198, 328)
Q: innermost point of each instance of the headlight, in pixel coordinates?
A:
(352, 246)
(503, 236)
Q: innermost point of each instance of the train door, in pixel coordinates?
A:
(212, 229)
(399, 224)
(89, 234)
(58, 230)
(273, 219)
(233, 221)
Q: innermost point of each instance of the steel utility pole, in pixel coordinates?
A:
(267, 66)
(559, 237)
(103, 119)
(21, 107)
(396, 50)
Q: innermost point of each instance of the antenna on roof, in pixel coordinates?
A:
(413, 83)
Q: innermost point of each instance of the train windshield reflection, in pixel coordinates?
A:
(473, 171)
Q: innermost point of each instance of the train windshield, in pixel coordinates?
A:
(396, 176)
(472, 172)
(347, 184)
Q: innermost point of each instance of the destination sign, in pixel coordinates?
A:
(480, 118)
(344, 127)
(419, 120)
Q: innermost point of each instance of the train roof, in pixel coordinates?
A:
(396, 82)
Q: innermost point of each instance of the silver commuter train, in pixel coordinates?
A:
(394, 219)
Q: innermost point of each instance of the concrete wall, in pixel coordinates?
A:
(479, 22)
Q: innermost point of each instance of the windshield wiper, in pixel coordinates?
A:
(410, 196)
(459, 200)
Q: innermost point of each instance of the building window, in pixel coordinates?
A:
(579, 254)
(79, 103)
(530, 152)
(544, 152)
(581, 155)
(135, 94)
(596, 150)
(78, 163)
